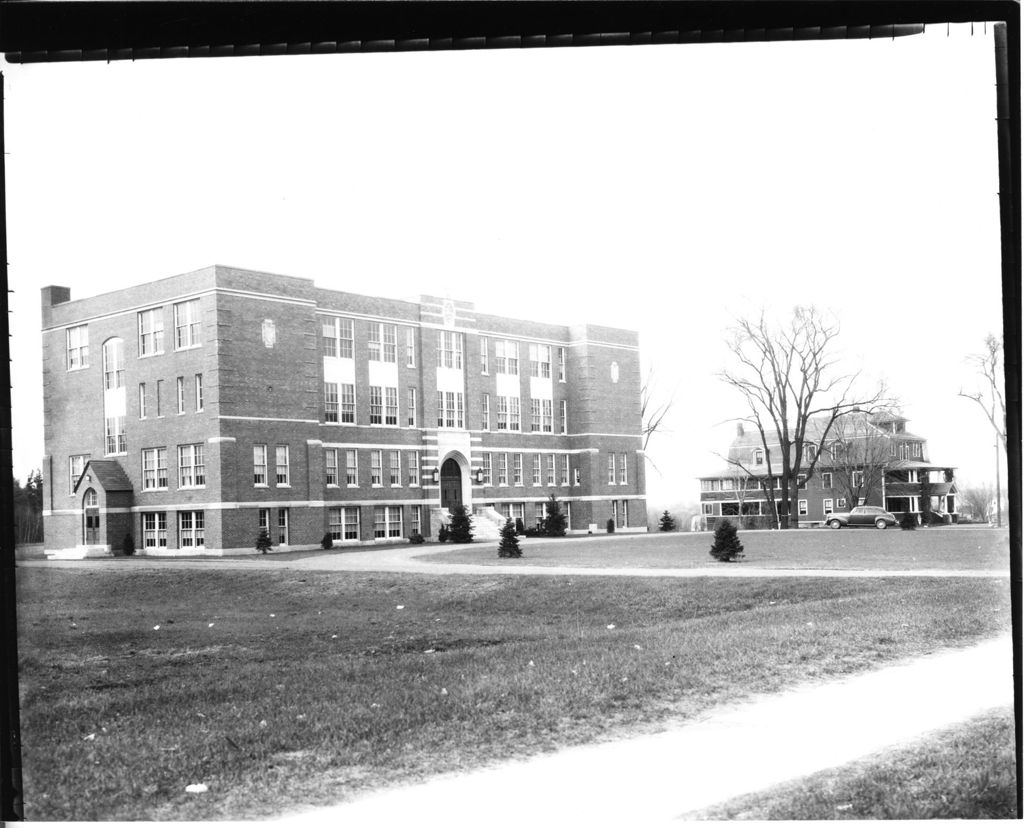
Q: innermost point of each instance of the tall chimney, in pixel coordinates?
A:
(739, 429)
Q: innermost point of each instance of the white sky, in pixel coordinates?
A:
(665, 189)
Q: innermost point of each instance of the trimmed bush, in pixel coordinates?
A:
(263, 542)
(554, 519)
(128, 545)
(908, 521)
(327, 542)
(610, 525)
(416, 537)
(726, 546)
(508, 547)
(460, 530)
(667, 523)
(443, 534)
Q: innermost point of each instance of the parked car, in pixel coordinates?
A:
(862, 516)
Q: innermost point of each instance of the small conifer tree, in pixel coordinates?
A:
(908, 521)
(726, 546)
(327, 542)
(554, 519)
(460, 530)
(667, 523)
(263, 541)
(128, 545)
(508, 547)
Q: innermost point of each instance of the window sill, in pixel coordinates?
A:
(155, 489)
(188, 347)
(282, 485)
(260, 486)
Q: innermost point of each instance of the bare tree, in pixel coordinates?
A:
(858, 454)
(788, 375)
(654, 406)
(990, 368)
(977, 499)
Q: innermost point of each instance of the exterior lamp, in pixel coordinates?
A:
(434, 473)
(479, 475)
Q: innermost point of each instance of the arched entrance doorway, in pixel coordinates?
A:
(451, 484)
(91, 529)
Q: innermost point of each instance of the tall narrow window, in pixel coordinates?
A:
(373, 342)
(199, 392)
(186, 324)
(159, 398)
(351, 523)
(181, 395)
(116, 439)
(502, 469)
(410, 347)
(282, 471)
(622, 470)
(351, 467)
(259, 465)
(331, 467)
(517, 470)
(348, 403)
(334, 522)
(377, 467)
(329, 336)
(611, 469)
(561, 364)
(487, 469)
(485, 412)
(411, 413)
(76, 465)
(565, 470)
(113, 363)
(536, 470)
(390, 333)
(391, 406)
(376, 405)
(550, 463)
(78, 347)
(142, 401)
(151, 332)
(412, 468)
(534, 415)
(513, 413)
(395, 468)
(546, 416)
(282, 527)
(330, 402)
(483, 355)
(502, 413)
(563, 417)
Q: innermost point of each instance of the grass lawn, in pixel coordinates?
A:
(964, 772)
(932, 548)
(280, 690)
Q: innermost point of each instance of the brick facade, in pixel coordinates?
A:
(251, 349)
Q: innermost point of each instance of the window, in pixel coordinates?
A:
(282, 527)
(517, 470)
(826, 480)
(539, 513)
(915, 449)
(857, 479)
(395, 468)
(502, 413)
(382, 342)
(142, 401)
(561, 364)
(536, 470)
(151, 333)
(387, 521)
(199, 392)
(411, 413)
(263, 520)
(513, 413)
(810, 452)
(348, 403)
(154, 530)
(625, 514)
(707, 508)
(615, 513)
(113, 363)
(417, 519)
(410, 347)
(826, 505)
(377, 467)
(117, 440)
(622, 470)
(912, 476)
(611, 469)
(351, 514)
(535, 415)
(282, 476)
(550, 463)
(351, 467)
(576, 477)
(337, 338)
(330, 402)
(540, 361)
(391, 406)
(259, 465)
(186, 324)
(450, 409)
(483, 355)
(565, 470)
(344, 522)
(78, 347)
(801, 506)
(191, 530)
(502, 469)
(76, 465)
(904, 451)
(546, 413)
(841, 503)
(449, 350)
(506, 357)
(334, 522)
(487, 469)
(485, 413)
(412, 468)
(758, 457)
(801, 481)
(191, 467)
(563, 417)
(181, 395)
(331, 467)
(154, 468)
(159, 398)
(376, 405)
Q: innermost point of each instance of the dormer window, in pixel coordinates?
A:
(758, 457)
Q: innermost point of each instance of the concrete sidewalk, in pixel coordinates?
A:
(731, 751)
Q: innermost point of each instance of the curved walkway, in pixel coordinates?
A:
(733, 750)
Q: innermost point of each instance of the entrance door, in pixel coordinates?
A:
(451, 484)
(92, 518)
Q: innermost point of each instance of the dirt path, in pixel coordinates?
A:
(728, 752)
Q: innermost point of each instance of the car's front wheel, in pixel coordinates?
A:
(880, 524)
(834, 524)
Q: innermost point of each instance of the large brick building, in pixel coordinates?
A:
(864, 459)
(192, 411)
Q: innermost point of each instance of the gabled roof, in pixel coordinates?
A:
(108, 474)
